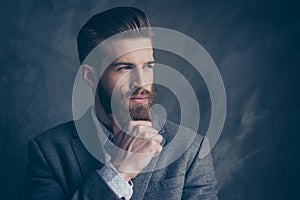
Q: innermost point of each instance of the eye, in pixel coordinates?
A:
(148, 66)
(124, 68)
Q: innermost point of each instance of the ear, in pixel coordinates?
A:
(89, 75)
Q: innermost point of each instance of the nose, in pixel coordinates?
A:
(139, 78)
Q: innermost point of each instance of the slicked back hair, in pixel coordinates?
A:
(108, 23)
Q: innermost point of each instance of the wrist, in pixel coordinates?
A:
(126, 176)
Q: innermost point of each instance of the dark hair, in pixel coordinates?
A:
(108, 23)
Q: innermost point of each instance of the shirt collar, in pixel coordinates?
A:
(103, 133)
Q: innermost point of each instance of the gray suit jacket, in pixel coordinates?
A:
(60, 167)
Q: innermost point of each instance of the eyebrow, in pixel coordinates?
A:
(128, 63)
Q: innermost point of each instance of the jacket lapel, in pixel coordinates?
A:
(141, 181)
(140, 185)
(87, 163)
(86, 145)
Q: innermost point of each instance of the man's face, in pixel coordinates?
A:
(131, 76)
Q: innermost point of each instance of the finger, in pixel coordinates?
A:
(131, 125)
(156, 153)
(140, 122)
(157, 137)
(158, 150)
(140, 131)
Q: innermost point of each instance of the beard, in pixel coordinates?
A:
(122, 106)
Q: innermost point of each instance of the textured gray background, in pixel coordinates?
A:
(255, 44)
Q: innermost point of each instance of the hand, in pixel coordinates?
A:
(138, 145)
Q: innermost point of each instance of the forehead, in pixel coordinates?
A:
(133, 49)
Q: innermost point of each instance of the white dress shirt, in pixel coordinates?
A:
(110, 175)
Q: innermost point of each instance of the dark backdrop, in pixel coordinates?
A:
(254, 44)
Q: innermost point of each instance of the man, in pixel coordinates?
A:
(130, 147)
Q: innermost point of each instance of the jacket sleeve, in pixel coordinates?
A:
(41, 182)
(200, 182)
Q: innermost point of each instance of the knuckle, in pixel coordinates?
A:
(135, 129)
(149, 123)
(152, 143)
(160, 137)
(139, 128)
(148, 134)
(160, 148)
(144, 135)
(131, 124)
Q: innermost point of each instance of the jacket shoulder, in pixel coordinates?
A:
(59, 134)
(171, 129)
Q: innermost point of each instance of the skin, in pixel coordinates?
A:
(140, 141)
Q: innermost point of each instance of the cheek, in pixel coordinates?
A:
(118, 83)
(110, 79)
(149, 87)
(150, 78)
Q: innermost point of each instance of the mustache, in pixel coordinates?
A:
(150, 95)
(142, 91)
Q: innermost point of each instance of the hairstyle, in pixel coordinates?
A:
(108, 23)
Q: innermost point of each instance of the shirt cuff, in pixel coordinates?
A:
(116, 182)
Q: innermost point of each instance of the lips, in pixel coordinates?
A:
(139, 99)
